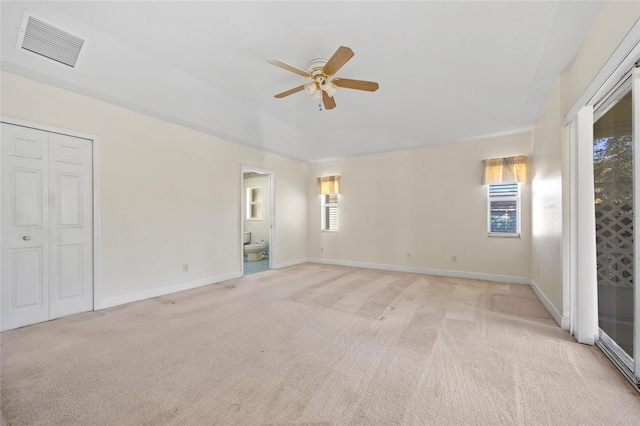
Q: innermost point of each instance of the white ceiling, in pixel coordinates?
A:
(448, 71)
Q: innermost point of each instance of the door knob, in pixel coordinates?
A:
(26, 238)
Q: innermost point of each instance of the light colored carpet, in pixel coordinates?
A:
(314, 345)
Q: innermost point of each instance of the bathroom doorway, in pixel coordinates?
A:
(257, 218)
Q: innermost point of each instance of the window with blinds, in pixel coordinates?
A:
(330, 213)
(504, 209)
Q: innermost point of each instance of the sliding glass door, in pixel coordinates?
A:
(616, 193)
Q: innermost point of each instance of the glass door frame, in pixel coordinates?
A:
(635, 102)
(629, 364)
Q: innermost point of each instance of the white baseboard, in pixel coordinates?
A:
(563, 322)
(161, 291)
(428, 271)
(290, 263)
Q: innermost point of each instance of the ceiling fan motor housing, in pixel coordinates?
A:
(315, 68)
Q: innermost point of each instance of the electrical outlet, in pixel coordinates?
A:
(185, 267)
(454, 258)
(408, 255)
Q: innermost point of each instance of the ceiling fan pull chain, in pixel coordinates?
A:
(320, 105)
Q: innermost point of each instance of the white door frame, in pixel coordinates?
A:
(95, 142)
(272, 212)
(611, 73)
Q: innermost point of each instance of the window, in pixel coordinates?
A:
(254, 203)
(330, 213)
(504, 209)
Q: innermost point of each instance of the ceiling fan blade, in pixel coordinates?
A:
(290, 92)
(328, 101)
(347, 83)
(342, 55)
(288, 67)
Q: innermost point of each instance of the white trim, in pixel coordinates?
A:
(563, 322)
(96, 222)
(585, 320)
(611, 99)
(427, 271)
(291, 263)
(95, 142)
(572, 256)
(47, 128)
(618, 64)
(273, 249)
(173, 288)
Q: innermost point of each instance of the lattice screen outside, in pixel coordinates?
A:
(614, 233)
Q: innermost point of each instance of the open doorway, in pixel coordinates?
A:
(257, 218)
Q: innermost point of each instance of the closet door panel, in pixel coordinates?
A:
(71, 244)
(24, 227)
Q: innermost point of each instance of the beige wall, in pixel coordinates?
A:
(428, 202)
(550, 145)
(546, 199)
(169, 194)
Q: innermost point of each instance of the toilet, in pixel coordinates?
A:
(253, 251)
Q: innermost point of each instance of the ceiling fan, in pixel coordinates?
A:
(321, 71)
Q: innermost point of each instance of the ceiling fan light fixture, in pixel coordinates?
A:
(313, 90)
(328, 86)
(310, 88)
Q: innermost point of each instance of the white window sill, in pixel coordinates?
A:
(330, 231)
(254, 218)
(503, 235)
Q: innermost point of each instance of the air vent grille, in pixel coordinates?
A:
(44, 39)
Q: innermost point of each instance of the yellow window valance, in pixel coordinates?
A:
(505, 170)
(329, 185)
